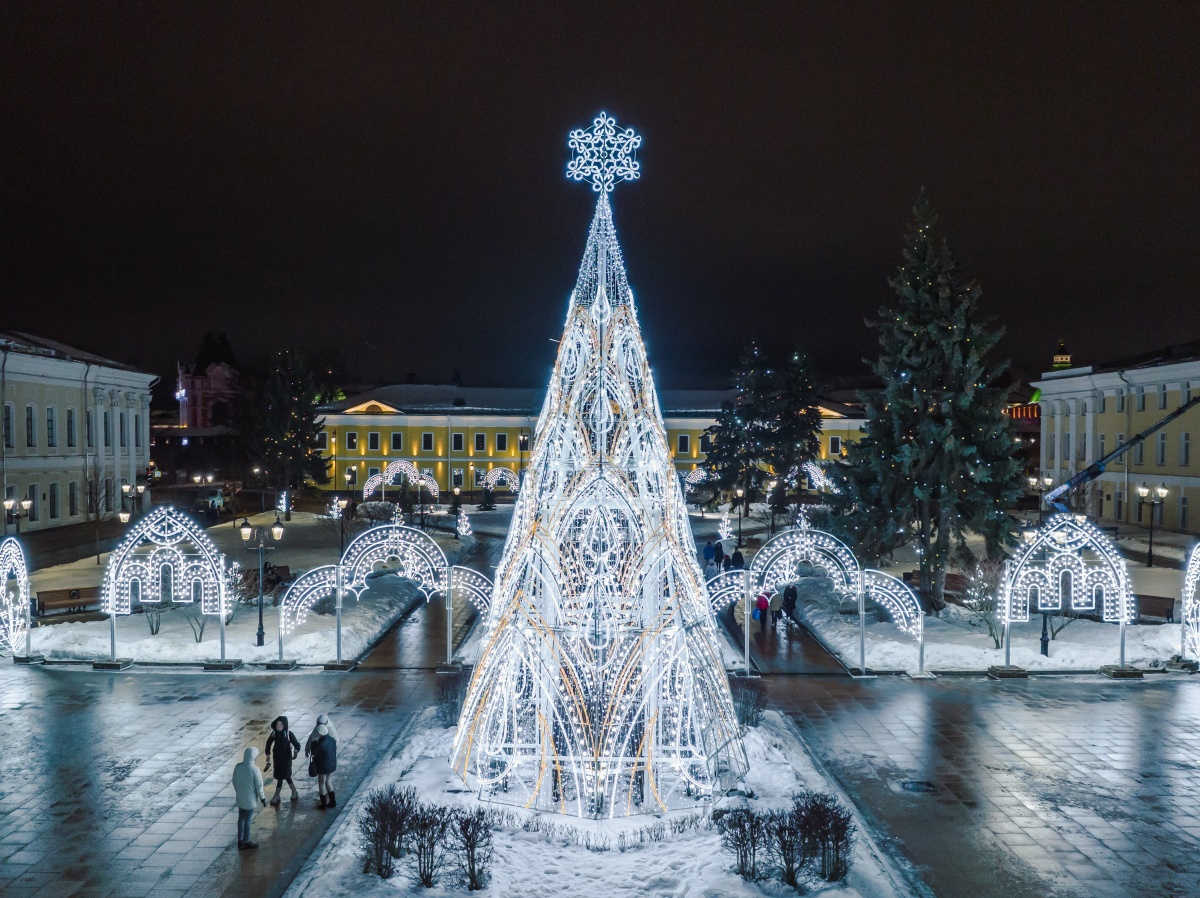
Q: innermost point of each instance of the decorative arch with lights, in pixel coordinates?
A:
(304, 592)
(477, 586)
(507, 476)
(694, 478)
(1070, 564)
(14, 597)
(780, 559)
(600, 690)
(396, 469)
(1190, 618)
(395, 547)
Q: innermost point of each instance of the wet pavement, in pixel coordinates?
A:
(1053, 786)
(787, 648)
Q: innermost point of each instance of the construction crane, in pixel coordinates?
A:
(1057, 497)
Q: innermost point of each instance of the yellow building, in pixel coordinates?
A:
(1088, 411)
(458, 434)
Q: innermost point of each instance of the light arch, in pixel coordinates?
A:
(14, 597)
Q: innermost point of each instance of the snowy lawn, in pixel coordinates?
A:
(545, 861)
(388, 598)
(955, 641)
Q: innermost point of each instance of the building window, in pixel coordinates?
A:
(1139, 453)
(53, 501)
(373, 441)
(121, 433)
(371, 472)
(1050, 445)
(481, 442)
(108, 494)
(73, 498)
(8, 426)
(323, 440)
(30, 427)
(1100, 445)
(107, 431)
(523, 442)
(70, 428)
(1139, 511)
(705, 443)
(456, 442)
(89, 429)
(34, 503)
(1119, 507)
(351, 440)
(1067, 445)
(683, 444)
(835, 446)
(1185, 449)
(1100, 404)
(1120, 401)
(1141, 399)
(1187, 391)
(51, 429)
(480, 474)
(501, 442)
(1160, 450)
(137, 431)
(398, 442)
(1162, 396)
(1184, 523)
(456, 476)
(427, 442)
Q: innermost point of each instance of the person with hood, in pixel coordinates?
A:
(280, 755)
(322, 721)
(324, 763)
(248, 789)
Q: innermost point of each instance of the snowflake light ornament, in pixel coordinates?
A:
(725, 530)
(604, 154)
(464, 524)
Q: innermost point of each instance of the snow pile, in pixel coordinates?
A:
(956, 641)
(546, 862)
(386, 599)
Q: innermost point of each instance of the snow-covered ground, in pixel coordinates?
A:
(955, 641)
(309, 541)
(546, 863)
(388, 598)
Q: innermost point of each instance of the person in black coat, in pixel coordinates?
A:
(282, 748)
(324, 763)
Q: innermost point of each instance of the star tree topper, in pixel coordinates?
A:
(604, 154)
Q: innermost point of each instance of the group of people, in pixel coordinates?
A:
(281, 749)
(775, 604)
(716, 561)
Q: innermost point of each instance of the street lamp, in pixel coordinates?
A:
(10, 506)
(341, 504)
(740, 492)
(128, 491)
(1160, 493)
(457, 510)
(471, 474)
(254, 539)
(1040, 485)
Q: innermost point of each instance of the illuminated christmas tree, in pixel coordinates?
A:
(600, 689)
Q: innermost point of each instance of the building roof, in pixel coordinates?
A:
(28, 344)
(1166, 355)
(448, 399)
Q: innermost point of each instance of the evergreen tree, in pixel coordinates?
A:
(797, 419)
(936, 458)
(743, 438)
(286, 425)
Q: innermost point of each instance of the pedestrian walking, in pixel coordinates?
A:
(710, 569)
(710, 551)
(719, 556)
(323, 765)
(762, 605)
(738, 560)
(790, 595)
(776, 609)
(248, 792)
(322, 721)
(282, 748)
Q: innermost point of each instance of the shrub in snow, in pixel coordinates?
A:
(471, 833)
(743, 833)
(376, 512)
(787, 846)
(452, 692)
(982, 598)
(429, 826)
(749, 700)
(196, 620)
(383, 827)
(827, 826)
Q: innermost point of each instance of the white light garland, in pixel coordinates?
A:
(599, 689)
(403, 550)
(14, 597)
(725, 528)
(505, 475)
(304, 592)
(463, 523)
(1191, 605)
(817, 478)
(283, 503)
(166, 556)
(399, 468)
(694, 478)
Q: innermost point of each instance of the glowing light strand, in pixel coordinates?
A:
(14, 597)
(1190, 618)
(506, 475)
(604, 154)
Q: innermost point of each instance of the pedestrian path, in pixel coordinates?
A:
(787, 648)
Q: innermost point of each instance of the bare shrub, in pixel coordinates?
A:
(983, 598)
(749, 699)
(471, 833)
(828, 829)
(452, 692)
(787, 846)
(427, 843)
(743, 832)
(383, 827)
(196, 621)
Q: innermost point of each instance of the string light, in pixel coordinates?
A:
(505, 475)
(14, 596)
(1191, 604)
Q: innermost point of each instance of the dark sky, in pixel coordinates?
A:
(389, 181)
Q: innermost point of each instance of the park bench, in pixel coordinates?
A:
(67, 600)
(1160, 607)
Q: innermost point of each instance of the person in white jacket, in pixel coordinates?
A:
(322, 721)
(248, 789)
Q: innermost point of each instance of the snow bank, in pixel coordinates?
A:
(545, 863)
(955, 641)
(385, 600)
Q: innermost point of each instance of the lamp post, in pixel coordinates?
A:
(771, 501)
(129, 491)
(10, 511)
(740, 492)
(1160, 493)
(1040, 485)
(471, 474)
(254, 539)
(457, 490)
(341, 504)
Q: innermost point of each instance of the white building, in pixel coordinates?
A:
(1088, 411)
(75, 428)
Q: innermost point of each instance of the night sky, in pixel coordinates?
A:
(388, 181)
